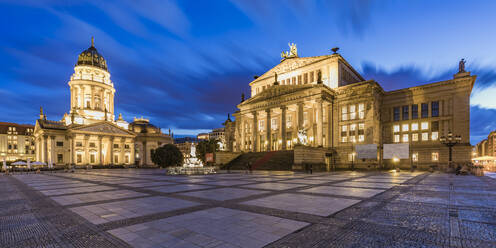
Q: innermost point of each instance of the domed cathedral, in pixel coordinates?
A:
(89, 134)
(324, 111)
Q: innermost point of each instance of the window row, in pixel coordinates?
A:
(415, 137)
(406, 127)
(350, 112)
(403, 112)
(353, 132)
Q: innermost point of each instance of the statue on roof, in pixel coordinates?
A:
(293, 52)
(461, 66)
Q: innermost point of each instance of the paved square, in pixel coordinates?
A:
(309, 204)
(146, 208)
(217, 227)
(93, 197)
(101, 213)
(224, 193)
(356, 192)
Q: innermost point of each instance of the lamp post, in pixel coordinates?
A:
(450, 140)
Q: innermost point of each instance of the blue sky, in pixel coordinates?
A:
(184, 64)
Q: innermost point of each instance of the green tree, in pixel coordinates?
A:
(206, 146)
(167, 155)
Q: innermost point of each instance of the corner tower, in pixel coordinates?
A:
(92, 91)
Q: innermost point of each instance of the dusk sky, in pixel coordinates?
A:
(184, 64)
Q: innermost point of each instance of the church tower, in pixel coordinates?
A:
(92, 91)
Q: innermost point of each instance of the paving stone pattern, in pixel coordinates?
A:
(145, 208)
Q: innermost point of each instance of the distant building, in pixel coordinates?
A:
(16, 141)
(203, 136)
(217, 134)
(487, 147)
(184, 144)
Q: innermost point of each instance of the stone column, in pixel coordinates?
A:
(283, 127)
(71, 149)
(132, 155)
(320, 125)
(52, 149)
(45, 148)
(111, 102)
(268, 132)
(300, 115)
(92, 105)
(241, 133)
(100, 150)
(102, 100)
(86, 158)
(254, 132)
(112, 150)
(122, 146)
(330, 125)
(144, 157)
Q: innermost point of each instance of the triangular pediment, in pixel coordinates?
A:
(276, 91)
(102, 127)
(291, 64)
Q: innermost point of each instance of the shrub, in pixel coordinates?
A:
(167, 156)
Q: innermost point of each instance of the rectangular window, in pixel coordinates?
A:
(311, 77)
(434, 135)
(273, 123)
(406, 115)
(352, 127)
(396, 128)
(344, 113)
(361, 138)
(127, 159)
(60, 143)
(414, 126)
(396, 113)
(352, 139)
(92, 158)
(414, 136)
(289, 122)
(116, 145)
(78, 144)
(405, 137)
(126, 146)
(261, 124)
(404, 127)
(435, 109)
(435, 156)
(414, 111)
(305, 118)
(396, 138)
(415, 157)
(299, 79)
(92, 144)
(79, 158)
(60, 158)
(435, 126)
(425, 136)
(424, 125)
(361, 126)
(305, 78)
(344, 131)
(344, 139)
(116, 159)
(361, 111)
(352, 112)
(425, 110)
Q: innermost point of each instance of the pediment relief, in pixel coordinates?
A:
(292, 64)
(103, 128)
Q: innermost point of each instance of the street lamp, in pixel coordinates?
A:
(450, 141)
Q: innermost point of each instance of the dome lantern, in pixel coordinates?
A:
(91, 57)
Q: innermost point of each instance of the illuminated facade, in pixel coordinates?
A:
(324, 99)
(89, 134)
(16, 141)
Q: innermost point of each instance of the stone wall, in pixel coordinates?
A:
(222, 158)
(309, 155)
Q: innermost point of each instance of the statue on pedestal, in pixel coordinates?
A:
(302, 137)
(461, 66)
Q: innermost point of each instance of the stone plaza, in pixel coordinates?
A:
(145, 208)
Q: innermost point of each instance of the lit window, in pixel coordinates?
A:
(344, 139)
(414, 136)
(273, 123)
(352, 139)
(289, 121)
(425, 136)
(414, 126)
(352, 127)
(361, 138)
(396, 138)
(415, 157)
(361, 111)
(424, 125)
(405, 137)
(396, 128)
(361, 126)
(352, 112)
(344, 128)
(344, 113)
(435, 156)
(305, 118)
(404, 128)
(261, 124)
(434, 135)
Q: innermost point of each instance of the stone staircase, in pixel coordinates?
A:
(273, 160)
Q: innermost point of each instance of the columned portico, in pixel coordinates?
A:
(254, 132)
(282, 127)
(268, 139)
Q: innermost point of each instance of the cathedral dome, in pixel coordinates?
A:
(91, 57)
